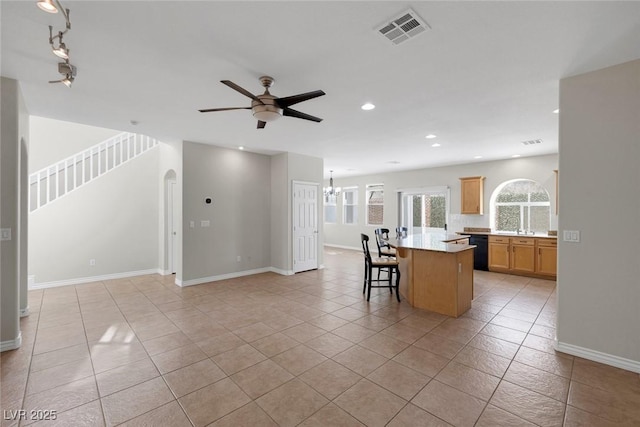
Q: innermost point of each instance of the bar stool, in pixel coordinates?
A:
(381, 263)
(382, 240)
(401, 232)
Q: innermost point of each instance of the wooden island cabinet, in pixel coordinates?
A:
(436, 272)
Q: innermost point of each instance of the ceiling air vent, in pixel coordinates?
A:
(403, 27)
(532, 142)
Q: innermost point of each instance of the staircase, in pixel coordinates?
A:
(65, 176)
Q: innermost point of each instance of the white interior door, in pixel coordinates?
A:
(305, 226)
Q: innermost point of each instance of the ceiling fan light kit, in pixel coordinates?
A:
(266, 107)
(61, 50)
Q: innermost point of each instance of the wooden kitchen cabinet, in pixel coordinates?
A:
(472, 195)
(523, 255)
(527, 256)
(499, 249)
(547, 261)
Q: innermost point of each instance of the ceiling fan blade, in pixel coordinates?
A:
(294, 99)
(299, 115)
(55, 81)
(243, 91)
(208, 110)
(261, 124)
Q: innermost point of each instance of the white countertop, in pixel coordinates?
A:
(432, 242)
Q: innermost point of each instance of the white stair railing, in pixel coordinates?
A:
(61, 178)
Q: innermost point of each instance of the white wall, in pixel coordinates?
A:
(539, 168)
(13, 126)
(240, 216)
(598, 278)
(113, 219)
(55, 140)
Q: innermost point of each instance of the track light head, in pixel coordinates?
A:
(61, 51)
(47, 5)
(68, 80)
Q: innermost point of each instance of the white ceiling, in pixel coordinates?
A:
(483, 79)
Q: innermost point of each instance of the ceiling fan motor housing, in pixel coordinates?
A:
(266, 109)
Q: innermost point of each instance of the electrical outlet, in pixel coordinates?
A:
(192, 224)
(238, 258)
(6, 234)
(92, 262)
(205, 223)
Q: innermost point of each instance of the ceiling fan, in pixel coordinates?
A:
(267, 107)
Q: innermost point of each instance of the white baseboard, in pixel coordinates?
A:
(24, 312)
(82, 280)
(597, 356)
(219, 277)
(11, 344)
(351, 248)
(282, 272)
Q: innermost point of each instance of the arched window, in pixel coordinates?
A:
(520, 204)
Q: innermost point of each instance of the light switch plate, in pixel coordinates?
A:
(5, 234)
(205, 223)
(571, 236)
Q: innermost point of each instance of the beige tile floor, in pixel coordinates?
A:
(306, 350)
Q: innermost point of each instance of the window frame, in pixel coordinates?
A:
(345, 205)
(523, 206)
(330, 202)
(370, 189)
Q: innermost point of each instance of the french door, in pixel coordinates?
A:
(424, 210)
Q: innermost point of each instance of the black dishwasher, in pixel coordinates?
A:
(481, 251)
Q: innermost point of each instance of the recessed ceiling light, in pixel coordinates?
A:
(431, 136)
(477, 157)
(435, 144)
(556, 111)
(515, 155)
(241, 148)
(368, 106)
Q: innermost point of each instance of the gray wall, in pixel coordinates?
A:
(280, 213)
(13, 122)
(598, 291)
(113, 219)
(240, 216)
(539, 168)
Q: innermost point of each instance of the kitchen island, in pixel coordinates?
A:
(436, 272)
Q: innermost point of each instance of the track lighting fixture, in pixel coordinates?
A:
(61, 50)
(47, 6)
(53, 6)
(68, 71)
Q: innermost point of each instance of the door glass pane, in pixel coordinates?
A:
(434, 211)
(416, 202)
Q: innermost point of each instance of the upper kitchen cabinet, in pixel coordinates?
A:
(472, 192)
